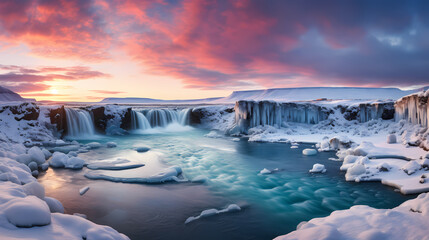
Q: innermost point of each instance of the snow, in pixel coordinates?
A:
(212, 212)
(27, 212)
(318, 168)
(391, 138)
(34, 189)
(407, 221)
(411, 167)
(7, 95)
(94, 145)
(83, 190)
(54, 205)
(61, 160)
(37, 155)
(265, 171)
(309, 151)
(166, 175)
(114, 164)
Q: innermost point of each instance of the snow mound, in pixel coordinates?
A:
(111, 144)
(27, 212)
(318, 168)
(212, 212)
(309, 152)
(265, 171)
(61, 160)
(54, 205)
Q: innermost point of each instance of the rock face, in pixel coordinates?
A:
(126, 120)
(368, 111)
(24, 111)
(58, 117)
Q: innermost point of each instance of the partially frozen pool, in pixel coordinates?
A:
(226, 171)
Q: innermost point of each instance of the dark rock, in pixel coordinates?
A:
(58, 117)
(126, 120)
(196, 116)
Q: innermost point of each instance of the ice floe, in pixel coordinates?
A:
(212, 212)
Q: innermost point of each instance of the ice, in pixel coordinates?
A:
(27, 212)
(414, 109)
(309, 151)
(212, 212)
(199, 179)
(391, 138)
(54, 205)
(83, 190)
(318, 168)
(166, 175)
(117, 164)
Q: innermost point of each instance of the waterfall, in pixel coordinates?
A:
(139, 121)
(185, 116)
(151, 118)
(250, 114)
(79, 123)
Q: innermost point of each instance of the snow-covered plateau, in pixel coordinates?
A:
(383, 140)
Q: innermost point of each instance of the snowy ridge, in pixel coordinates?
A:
(313, 93)
(7, 95)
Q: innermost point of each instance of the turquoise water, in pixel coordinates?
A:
(271, 204)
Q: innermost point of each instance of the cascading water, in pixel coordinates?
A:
(139, 121)
(158, 118)
(79, 123)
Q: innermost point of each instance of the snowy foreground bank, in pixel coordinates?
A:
(25, 211)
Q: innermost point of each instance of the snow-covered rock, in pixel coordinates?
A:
(83, 190)
(411, 167)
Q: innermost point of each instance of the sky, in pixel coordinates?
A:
(86, 50)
